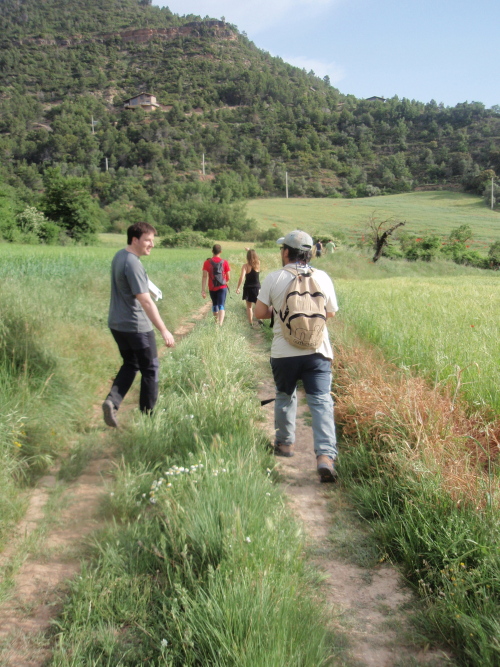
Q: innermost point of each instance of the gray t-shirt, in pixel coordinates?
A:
(128, 278)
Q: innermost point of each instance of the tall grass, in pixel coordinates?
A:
(445, 328)
(422, 473)
(56, 353)
(206, 566)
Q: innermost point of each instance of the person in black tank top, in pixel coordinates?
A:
(250, 272)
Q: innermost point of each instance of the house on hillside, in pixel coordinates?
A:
(144, 101)
(375, 99)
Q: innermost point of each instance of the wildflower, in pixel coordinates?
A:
(17, 444)
(169, 484)
(164, 643)
(191, 416)
(111, 494)
(152, 501)
(268, 494)
(247, 539)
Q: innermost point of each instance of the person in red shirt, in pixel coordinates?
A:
(218, 278)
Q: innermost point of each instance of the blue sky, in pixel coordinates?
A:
(446, 50)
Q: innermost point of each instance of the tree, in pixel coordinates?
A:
(380, 233)
(67, 201)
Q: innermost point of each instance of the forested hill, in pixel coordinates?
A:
(66, 62)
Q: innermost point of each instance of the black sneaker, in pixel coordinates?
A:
(109, 413)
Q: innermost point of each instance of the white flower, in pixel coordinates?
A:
(247, 539)
(111, 494)
(152, 501)
(268, 494)
(164, 643)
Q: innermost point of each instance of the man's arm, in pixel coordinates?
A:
(204, 280)
(262, 312)
(330, 315)
(151, 311)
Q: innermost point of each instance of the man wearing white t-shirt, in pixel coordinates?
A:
(290, 364)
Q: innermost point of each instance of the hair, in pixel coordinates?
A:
(136, 230)
(297, 255)
(253, 260)
(217, 249)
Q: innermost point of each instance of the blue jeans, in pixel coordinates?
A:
(316, 374)
(218, 297)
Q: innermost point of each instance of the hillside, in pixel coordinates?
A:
(64, 63)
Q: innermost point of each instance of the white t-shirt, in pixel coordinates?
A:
(272, 293)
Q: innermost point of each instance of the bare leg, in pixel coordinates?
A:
(221, 314)
(249, 311)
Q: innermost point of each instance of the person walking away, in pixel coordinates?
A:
(250, 272)
(291, 363)
(319, 248)
(216, 271)
(330, 247)
(132, 315)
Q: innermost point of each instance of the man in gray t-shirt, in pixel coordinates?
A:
(132, 314)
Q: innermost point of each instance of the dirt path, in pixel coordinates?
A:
(47, 546)
(370, 605)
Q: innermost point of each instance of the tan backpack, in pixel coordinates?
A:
(303, 312)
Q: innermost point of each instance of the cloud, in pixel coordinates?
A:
(251, 16)
(319, 67)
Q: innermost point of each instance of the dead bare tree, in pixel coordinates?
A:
(380, 233)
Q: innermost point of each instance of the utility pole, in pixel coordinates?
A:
(203, 164)
(286, 183)
(106, 163)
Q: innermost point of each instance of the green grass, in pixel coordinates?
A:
(57, 355)
(445, 328)
(449, 552)
(424, 212)
(205, 566)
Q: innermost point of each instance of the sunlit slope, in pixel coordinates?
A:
(424, 212)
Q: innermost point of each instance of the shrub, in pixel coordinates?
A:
(186, 239)
(494, 255)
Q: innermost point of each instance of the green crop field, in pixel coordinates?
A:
(445, 328)
(424, 212)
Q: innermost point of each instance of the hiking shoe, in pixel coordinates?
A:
(109, 413)
(326, 469)
(284, 450)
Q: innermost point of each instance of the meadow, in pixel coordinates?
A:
(202, 534)
(436, 212)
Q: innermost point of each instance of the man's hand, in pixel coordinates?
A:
(203, 294)
(168, 338)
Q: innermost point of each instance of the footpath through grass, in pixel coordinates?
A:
(203, 565)
(57, 355)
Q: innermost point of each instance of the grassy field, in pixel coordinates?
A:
(445, 328)
(56, 353)
(204, 564)
(424, 212)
